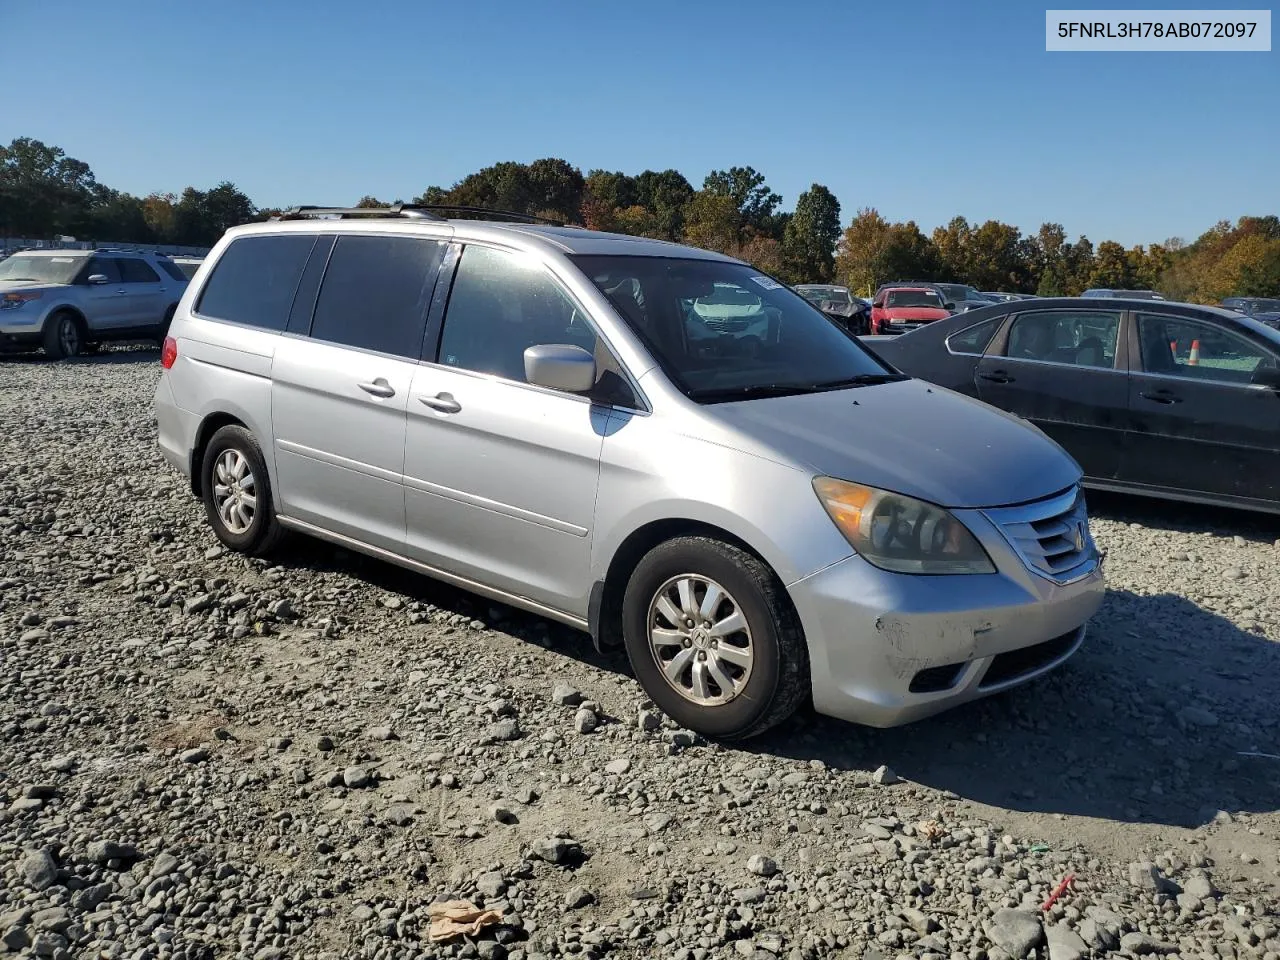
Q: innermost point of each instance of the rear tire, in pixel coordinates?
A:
(62, 336)
(739, 632)
(236, 490)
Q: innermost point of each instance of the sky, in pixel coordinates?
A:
(922, 110)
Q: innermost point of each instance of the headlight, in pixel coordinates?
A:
(899, 533)
(11, 301)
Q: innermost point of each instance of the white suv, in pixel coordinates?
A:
(70, 301)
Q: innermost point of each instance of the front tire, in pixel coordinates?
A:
(713, 638)
(237, 492)
(62, 336)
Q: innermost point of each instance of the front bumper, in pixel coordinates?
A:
(886, 649)
(19, 330)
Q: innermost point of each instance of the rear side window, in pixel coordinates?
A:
(375, 294)
(255, 279)
(172, 270)
(975, 339)
(137, 271)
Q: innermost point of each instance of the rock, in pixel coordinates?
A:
(526, 796)
(585, 721)
(324, 744)
(15, 939)
(283, 610)
(761, 865)
(1065, 943)
(1016, 932)
(578, 897)
(163, 865)
(556, 849)
(749, 895)
(566, 695)
(657, 822)
(1233, 573)
(505, 730)
(195, 755)
(1197, 717)
(618, 767)
(102, 851)
(1142, 944)
(1200, 886)
(1146, 876)
(885, 776)
(356, 777)
(34, 636)
(502, 813)
(39, 870)
(381, 733)
(63, 764)
(198, 604)
(491, 885)
(919, 922)
(649, 721)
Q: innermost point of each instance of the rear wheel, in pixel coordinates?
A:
(62, 336)
(237, 492)
(713, 638)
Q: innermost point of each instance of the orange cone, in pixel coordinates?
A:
(1195, 353)
(1173, 347)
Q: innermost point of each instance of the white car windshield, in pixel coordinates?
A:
(724, 331)
(42, 269)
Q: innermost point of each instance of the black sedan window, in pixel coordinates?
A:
(1189, 348)
(1084, 338)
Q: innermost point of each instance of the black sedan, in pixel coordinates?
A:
(1162, 399)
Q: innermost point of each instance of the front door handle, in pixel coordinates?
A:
(997, 376)
(1161, 396)
(442, 402)
(378, 388)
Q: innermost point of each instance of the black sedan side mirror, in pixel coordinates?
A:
(1268, 377)
(949, 305)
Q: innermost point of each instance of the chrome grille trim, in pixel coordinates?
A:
(1044, 534)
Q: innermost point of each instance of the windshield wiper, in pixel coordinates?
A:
(752, 391)
(8, 279)
(861, 380)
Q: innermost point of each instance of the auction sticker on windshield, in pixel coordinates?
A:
(767, 282)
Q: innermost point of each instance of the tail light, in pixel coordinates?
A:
(168, 352)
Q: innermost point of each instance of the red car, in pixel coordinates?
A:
(899, 309)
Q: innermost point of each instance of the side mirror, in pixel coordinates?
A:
(98, 278)
(1268, 377)
(949, 305)
(560, 366)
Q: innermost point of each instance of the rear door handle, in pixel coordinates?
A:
(997, 376)
(442, 402)
(378, 388)
(1162, 396)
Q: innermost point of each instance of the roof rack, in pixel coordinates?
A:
(419, 211)
(395, 210)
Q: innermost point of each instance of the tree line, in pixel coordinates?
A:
(45, 193)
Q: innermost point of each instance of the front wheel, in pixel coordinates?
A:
(61, 337)
(713, 638)
(237, 492)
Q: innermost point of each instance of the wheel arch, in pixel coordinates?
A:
(604, 610)
(204, 433)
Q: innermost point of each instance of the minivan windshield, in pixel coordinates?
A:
(724, 331)
(44, 269)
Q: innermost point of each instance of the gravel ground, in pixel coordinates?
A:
(205, 756)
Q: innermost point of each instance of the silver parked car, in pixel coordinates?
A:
(69, 301)
(759, 516)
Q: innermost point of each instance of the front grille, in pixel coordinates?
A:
(1018, 663)
(726, 325)
(1051, 536)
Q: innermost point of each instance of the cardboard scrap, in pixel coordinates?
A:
(458, 918)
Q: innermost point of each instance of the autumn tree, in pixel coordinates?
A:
(756, 204)
(1111, 267)
(43, 191)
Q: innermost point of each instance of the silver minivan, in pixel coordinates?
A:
(763, 514)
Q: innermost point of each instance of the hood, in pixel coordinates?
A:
(909, 437)
(915, 313)
(28, 285)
